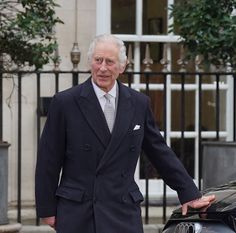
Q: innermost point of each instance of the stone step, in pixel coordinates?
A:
(28, 215)
(29, 223)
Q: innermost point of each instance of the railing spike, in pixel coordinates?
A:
(182, 62)
(130, 59)
(198, 63)
(147, 61)
(164, 61)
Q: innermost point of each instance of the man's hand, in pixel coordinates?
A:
(51, 221)
(204, 201)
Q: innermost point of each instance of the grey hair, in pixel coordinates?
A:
(108, 38)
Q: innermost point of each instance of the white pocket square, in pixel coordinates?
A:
(136, 127)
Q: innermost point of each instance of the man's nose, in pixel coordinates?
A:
(103, 66)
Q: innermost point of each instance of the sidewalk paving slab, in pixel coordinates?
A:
(150, 228)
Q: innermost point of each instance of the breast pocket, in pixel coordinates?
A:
(137, 132)
(136, 129)
(136, 137)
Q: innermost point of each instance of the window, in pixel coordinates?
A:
(142, 23)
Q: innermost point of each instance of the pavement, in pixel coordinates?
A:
(29, 224)
(150, 228)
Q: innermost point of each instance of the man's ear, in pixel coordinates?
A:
(122, 67)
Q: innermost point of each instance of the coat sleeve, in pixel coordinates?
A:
(166, 162)
(50, 155)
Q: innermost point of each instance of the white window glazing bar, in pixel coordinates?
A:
(177, 87)
(196, 152)
(168, 81)
(229, 113)
(103, 16)
(193, 134)
(139, 17)
(139, 31)
(137, 56)
(149, 38)
(168, 98)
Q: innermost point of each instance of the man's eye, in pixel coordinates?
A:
(109, 62)
(98, 60)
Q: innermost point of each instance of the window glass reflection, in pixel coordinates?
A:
(123, 16)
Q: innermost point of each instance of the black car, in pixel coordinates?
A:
(220, 217)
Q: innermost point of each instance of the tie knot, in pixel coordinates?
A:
(108, 97)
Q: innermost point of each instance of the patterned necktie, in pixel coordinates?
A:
(109, 112)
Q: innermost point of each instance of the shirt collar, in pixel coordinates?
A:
(100, 93)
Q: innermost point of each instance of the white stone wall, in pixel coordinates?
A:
(86, 23)
(86, 29)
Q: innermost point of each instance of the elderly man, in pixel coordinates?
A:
(89, 149)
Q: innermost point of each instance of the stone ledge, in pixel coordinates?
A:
(153, 228)
(36, 229)
(11, 228)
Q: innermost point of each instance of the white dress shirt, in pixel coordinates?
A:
(100, 95)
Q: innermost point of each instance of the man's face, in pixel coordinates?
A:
(105, 65)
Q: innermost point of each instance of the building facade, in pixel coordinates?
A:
(143, 25)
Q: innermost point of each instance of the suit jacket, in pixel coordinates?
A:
(85, 175)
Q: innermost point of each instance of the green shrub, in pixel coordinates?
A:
(207, 28)
(27, 31)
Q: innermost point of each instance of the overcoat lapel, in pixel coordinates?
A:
(124, 116)
(90, 107)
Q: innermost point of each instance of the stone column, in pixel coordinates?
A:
(10, 228)
(4, 224)
(3, 182)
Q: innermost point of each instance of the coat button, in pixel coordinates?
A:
(124, 198)
(87, 147)
(132, 148)
(94, 200)
(98, 173)
(124, 174)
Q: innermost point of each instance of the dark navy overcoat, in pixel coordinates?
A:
(85, 175)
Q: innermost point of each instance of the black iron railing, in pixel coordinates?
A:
(147, 79)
